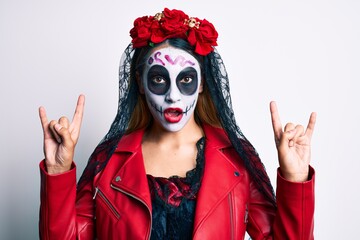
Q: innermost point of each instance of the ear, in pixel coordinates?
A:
(201, 87)
(140, 83)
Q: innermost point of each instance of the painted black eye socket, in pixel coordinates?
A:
(158, 80)
(187, 81)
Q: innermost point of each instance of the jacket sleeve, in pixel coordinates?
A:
(61, 215)
(294, 216)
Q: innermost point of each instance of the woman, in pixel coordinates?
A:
(174, 164)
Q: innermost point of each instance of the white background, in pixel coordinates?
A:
(303, 54)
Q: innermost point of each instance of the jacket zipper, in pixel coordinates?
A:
(131, 195)
(107, 202)
(231, 207)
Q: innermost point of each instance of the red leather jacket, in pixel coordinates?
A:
(117, 204)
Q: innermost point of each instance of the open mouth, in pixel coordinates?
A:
(173, 115)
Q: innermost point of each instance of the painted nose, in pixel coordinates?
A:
(173, 95)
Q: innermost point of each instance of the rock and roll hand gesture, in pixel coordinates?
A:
(292, 142)
(293, 146)
(60, 138)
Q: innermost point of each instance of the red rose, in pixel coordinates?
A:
(171, 26)
(173, 21)
(142, 30)
(203, 38)
(200, 34)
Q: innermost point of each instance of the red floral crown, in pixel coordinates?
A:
(149, 30)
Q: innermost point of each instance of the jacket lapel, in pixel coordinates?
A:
(220, 175)
(131, 178)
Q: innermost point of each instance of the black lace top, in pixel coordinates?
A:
(174, 200)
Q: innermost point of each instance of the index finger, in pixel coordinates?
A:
(44, 121)
(275, 120)
(311, 125)
(79, 112)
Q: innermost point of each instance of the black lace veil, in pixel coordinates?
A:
(217, 82)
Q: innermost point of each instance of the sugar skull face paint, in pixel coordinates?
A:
(171, 81)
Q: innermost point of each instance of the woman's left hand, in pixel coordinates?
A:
(293, 146)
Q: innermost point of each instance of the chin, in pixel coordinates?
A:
(173, 127)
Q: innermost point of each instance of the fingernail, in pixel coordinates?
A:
(57, 127)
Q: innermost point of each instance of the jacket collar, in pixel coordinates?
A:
(216, 137)
(131, 142)
(216, 184)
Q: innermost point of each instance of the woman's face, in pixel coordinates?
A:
(171, 82)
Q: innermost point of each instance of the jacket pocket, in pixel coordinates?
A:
(103, 200)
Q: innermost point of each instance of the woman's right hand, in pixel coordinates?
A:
(60, 138)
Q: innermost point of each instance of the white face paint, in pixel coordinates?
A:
(171, 81)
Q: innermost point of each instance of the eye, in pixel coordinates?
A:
(158, 80)
(186, 80)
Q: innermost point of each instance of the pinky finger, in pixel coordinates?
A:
(311, 125)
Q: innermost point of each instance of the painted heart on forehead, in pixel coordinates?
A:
(171, 82)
